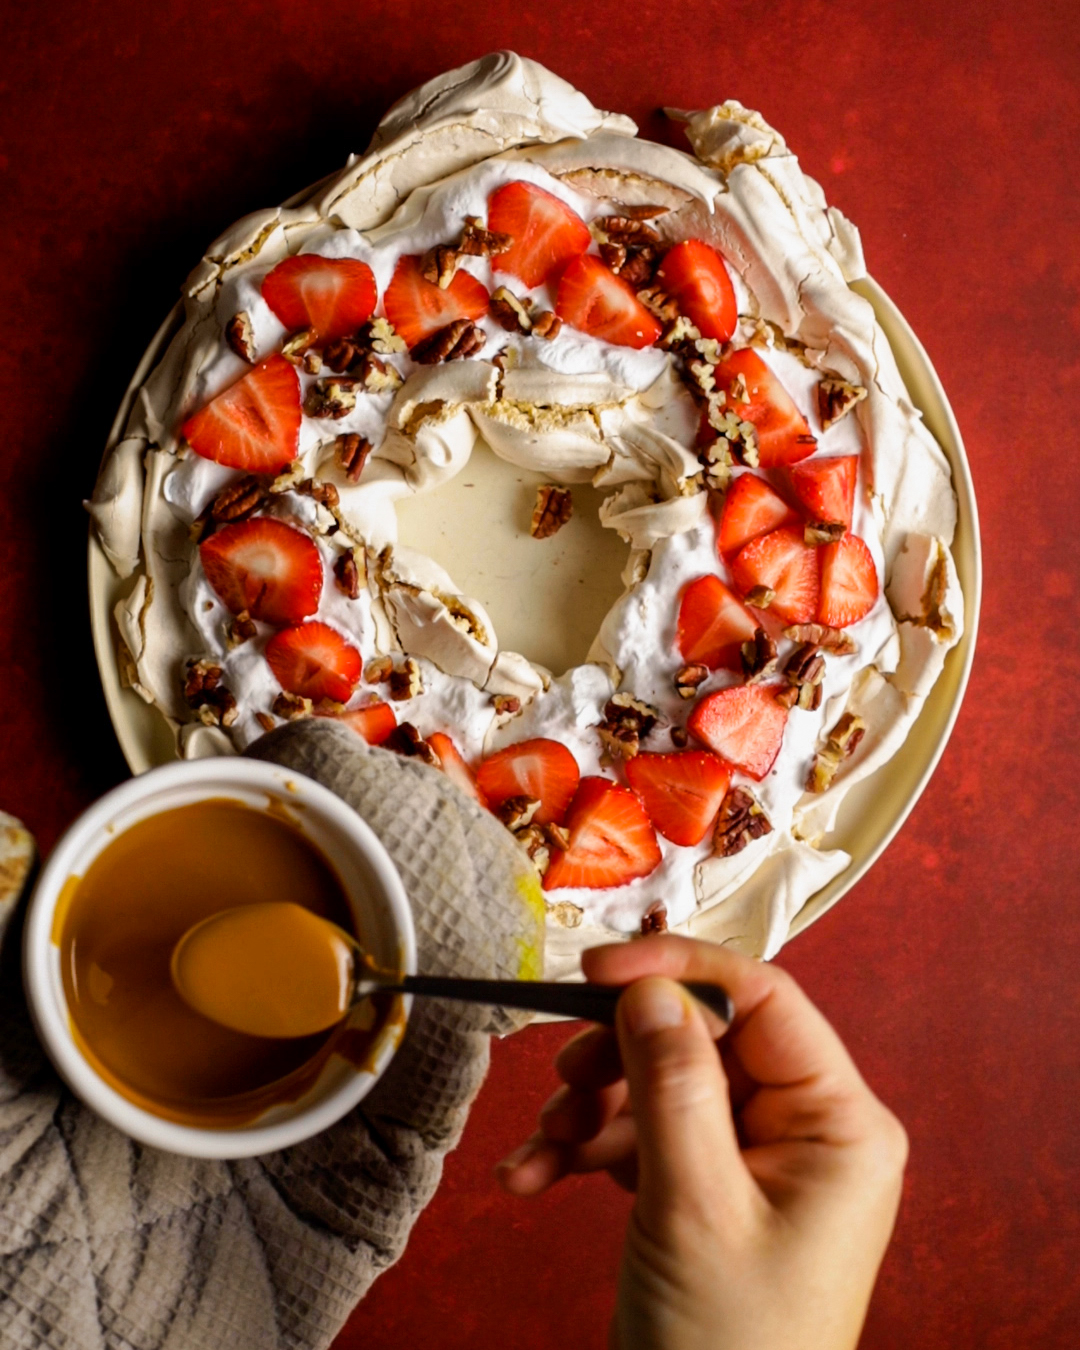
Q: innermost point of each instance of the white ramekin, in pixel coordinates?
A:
(370, 881)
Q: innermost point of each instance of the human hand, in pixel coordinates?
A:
(767, 1175)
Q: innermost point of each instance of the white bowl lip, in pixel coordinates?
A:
(50, 1018)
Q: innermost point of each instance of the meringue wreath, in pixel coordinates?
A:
(508, 264)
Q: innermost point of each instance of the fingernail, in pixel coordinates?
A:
(520, 1155)
(556, 1101)
(653, 1005)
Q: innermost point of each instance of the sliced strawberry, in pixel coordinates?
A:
(254, 424)
(783, 434)
(751, 509)
(713, 624)
(695, 275)
(455, 767)
(593, 299)
(612, 840)
(542, 769)
(743, 725)
(418, 308)
(546, 233)
(372, 723)
(786, 564)
(332, 295)
(682, 793)
(266, 567)
(315, 661)
(849, 582)
(825, 488)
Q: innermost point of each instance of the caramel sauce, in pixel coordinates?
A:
(117, 931)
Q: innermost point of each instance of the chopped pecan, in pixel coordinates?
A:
(558, 836)
(376, 376)
(761, 597)
(688, 678)
(533, 840)
(510, 311)
(626, 227)
(506, 704)
(657, 301)
(840, 744)
(326, 494)
(627, 721)
(439, 264)
(553, 509)
(517, 812)
(288, 479)
(341, 354)
(240, 630)
(478, 242)
(680, 738)
(614, 255)
(237, 501)
(566, 914)
(678, 334)
(739, 437)
(347, 574)
(819, 532)
(204, 692)
(240, 336)
(406, 740)
(739, 822)
(805, 665)
(654, 920)
(833, 640)
(640, 267)
(455, 342)
(406, 682)
(758, 656)
(331, 398)
(547, 325)
(292, 706)
(351, 452)
(297, 347)
(835, 398)
(381, 336)
(265, 720)
(378, 670)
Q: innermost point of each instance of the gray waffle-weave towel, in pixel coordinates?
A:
(107, 1245)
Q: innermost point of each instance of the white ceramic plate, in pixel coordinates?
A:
(550, 612)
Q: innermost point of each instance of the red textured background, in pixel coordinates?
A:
(132, 134)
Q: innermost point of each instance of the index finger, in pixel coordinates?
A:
(778, 1034)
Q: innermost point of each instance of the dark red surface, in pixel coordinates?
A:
(132, 134)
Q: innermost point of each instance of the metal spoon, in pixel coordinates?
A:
(277, 969)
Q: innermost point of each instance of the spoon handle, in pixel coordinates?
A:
(589, 1002)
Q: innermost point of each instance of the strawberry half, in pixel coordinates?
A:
(783, 434)
(455, 767)
(682, 793)
(695, 275)
(713, 624)
(332, 295)
(751, 509)
(314, 661)
(266, 567)
(546, 233)
(593, 299)
(825, 488)
(542, 769)
(372, 723)
(849, 582)
(418, 308)
(743, 725)
(786, 564)
(252, 425)
(612, 840)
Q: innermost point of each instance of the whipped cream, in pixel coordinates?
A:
(580, 410)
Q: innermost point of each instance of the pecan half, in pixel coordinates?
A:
(761, 597)
(406, 682)
(455, 342)
(836, 397)
(341, 354)
(347, 574)
(627, 721)
(381, 336)
(326, 494)
(292, 706)
(351, 452)
(819, 532)
(554, 506)
(547, 325)
(654, 920)
(406, 740)
(840, 744)
(758, 656)
(510, 311)
(517, 812)
(833, 640)
(478, 242)
(378, 670)
(739, 822)
(300, 346)
(688, 678)
(331, 398)
(240, 336)
(237, 501)
(558, 836)
(439, 264)
(240, 630)
(805, 670)
(626, 227)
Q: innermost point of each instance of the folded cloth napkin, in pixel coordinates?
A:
(107, 1245)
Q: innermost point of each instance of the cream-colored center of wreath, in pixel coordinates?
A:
(546, 597)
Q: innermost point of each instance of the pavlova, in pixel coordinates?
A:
(508, 263)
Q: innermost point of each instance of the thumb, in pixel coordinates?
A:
(688, 1152)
